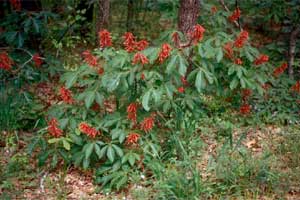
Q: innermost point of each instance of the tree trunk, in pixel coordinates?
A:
(103, 15)
(292, 49)
(188, 14)
(130, 16)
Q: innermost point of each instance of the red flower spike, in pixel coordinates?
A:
(89, 58)
(88, 130)
(180, 89)
(183, 80)
(105, 38)
(279, 70)
(296, 87)
(37, 60)
(53, 128)
(143, 76)
(245, 109)
(5, 61)
(147, 124)
(66, 95)
(16, 4)
(213, 9)
(246, 93)
(235, 15)
(164, 52)
(140, 58)
(132, 138)
(261, 59)
(131, 112)
(197, 34)
(141, 45)
(241, 39)
(100, 71)
(228, 50)
(238, 61)
(129, 42)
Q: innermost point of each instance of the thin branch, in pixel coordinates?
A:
(236, 23)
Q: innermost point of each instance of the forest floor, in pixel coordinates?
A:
(22, 179)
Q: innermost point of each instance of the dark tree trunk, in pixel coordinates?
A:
(103, 15)
(292, 49)
(188, 14)
(130, 16)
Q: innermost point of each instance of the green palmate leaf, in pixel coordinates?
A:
(182, 66)
(99, 98)
(146, 99)
(66, 144)
(234, 83)
(101, 152)
(200, 82)
(53, 140)
(86, 163)
(219, 55)
(171, 65)
(89, 149)
(76, 139)
(121, 182)
(110, 153)
(71, 78)
(118, 150)
(131, 159)
(89, 98)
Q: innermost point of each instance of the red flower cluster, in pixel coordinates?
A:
(131, 45)
(37, 60)
(241, 39)
(296, 87)
(183, 80)
(53, 128)
(180, 89)
(261, 59)
(228, 50)
(164, 52)
(132, 138)
(245, 109)
(147, 124)
(131, 112)
(88, 130)
(143, 76)
(213, 10)
(280, 70)
(235, 15)
(89, 58)
(5, 61)
(266, 86)
(105, 38)
(16, 4)
(140, 58)
(246, 94)
(100, 71)
(197, 34)
(66, 95)
(238, 61)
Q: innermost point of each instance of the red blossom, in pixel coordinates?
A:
(180, 89)
(183, 80)
(261, 59)
(279, 70)
(132, 138)
(164, 52)
(16, 4)
(213, 9)
(66, 95)
(228, 50)
(105, 38)
(88, 130)
(197, 34)
(235, 15)
(129, 42)
(238, 61)
(37, 60)
(246, 93)
(5, 61)
(140, 58)
(241, 39)
(147, 124)
(245, 109)
(296, 87)
(131, 112)
(141, 45)
(143, 76)
(100, 71)
(53, 128)
(89, 58)
(266, 86)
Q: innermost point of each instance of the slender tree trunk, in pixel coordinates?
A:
(188, 14)
(130, 16)
(292, 49)
(103, 15)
